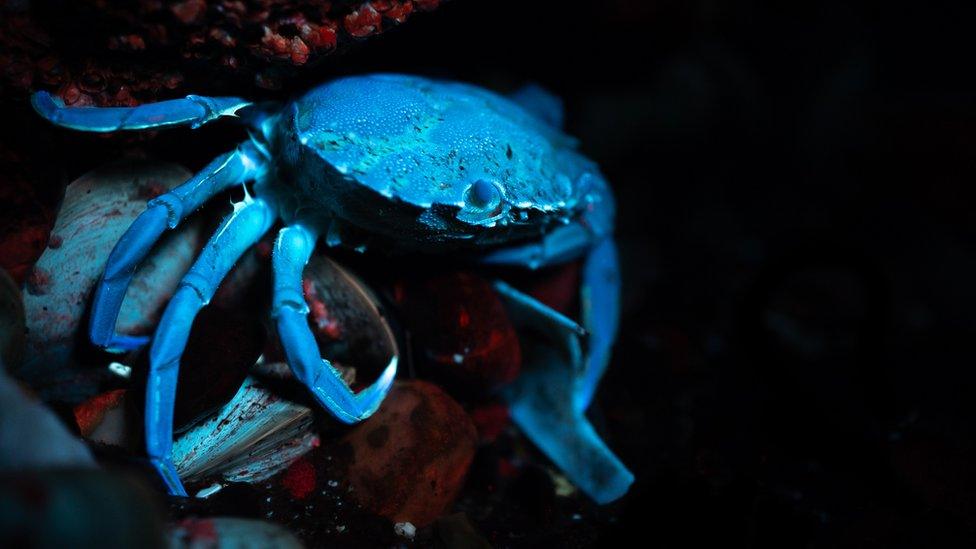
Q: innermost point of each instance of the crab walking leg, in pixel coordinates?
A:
(600, 298)
(291, 252)
(542, 400)
(250, 220)
(601, 316)
(590, 236)
(193, 110)
(163, 212)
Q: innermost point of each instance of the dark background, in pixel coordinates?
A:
(794, 181)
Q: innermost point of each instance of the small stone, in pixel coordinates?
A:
(405, 530)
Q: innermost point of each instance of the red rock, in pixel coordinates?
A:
(399, 11)
(409, 460)
(89, 414)
(191, 11)
(491, 419)
(557, 286)
(462, 330)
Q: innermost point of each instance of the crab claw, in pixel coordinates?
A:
(324, 381)
(292, 251)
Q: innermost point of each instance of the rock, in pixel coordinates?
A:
(11, 322)
(77, 508)
(409, 460)
(229, 532)
(32, 437)
(457, 531)
(405, 530)
(97, 209)
(114, 54)
(461, 330)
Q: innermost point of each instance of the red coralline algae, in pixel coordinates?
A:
(38, 281)
(363, 22)
(321, 320)
(135, 52)
(300, 478)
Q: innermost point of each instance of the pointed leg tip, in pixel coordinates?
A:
(615, 489)
(45, 104)
(374, 395)
(123, 343)
(167, 471)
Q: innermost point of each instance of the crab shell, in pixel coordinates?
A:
(430, 164)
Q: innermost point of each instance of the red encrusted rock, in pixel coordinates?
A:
(363, 22)
(461, 330)
(124, 53)
(409, 460)
(491, 419)
(26, 213)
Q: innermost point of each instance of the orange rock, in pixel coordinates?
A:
(409, 460)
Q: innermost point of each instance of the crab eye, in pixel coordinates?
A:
(481, 194)
(483, 203)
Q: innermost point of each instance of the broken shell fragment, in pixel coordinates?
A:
(254, 436)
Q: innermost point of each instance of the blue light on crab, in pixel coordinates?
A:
(400, 163)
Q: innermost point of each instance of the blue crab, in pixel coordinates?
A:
(401, 163)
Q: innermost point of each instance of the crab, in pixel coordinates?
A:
(398, 163)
